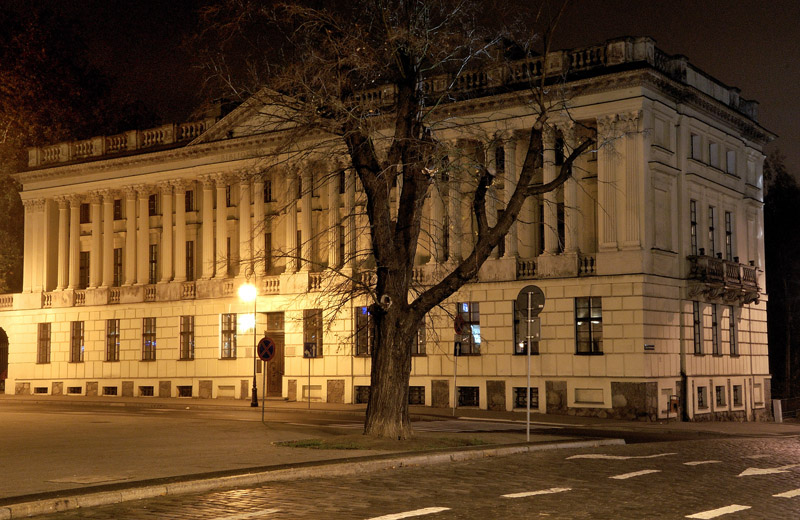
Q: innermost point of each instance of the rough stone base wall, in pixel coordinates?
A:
(23, 389)
(244, 389)
(91, 389)
(727, 415)
(165, 389)
(496, 395)
(127, 389)
(58, 388)
(556, 395)
(335, 391)
(205, 389)
(440, 393)
(634, 401)
(291, 390)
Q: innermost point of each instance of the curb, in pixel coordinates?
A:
(334, 469)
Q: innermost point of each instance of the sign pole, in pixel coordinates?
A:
(309, 382)
(455, 380)
(528, 388)
(264, 391)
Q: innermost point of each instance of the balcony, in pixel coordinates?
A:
(718, 279)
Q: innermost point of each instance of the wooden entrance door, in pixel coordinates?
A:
(275, 366)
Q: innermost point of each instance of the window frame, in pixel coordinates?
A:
(186, 347)
(43, 343)
(712, 242)
(697, 337)
(118, 209)
(364, 332)
(149, 339)
(716, 344)
(729, 236)
(693, 227)
(702, 398)
(153, 205)
(77, 347)
(733, 340)
(152, 264)
(188, 201)
(227, 335)
(112, 340)
(189, 260)
(84, 269)
(595, 326)
(312, 333)
(419, 347)
(470, 336)
(117, 267)
(520, 318)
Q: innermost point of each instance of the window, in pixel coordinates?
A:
(341, 245)
(728, 236)
(730, 162)
(365, 332)
(362, 394)
(342, 182)
(588, 326)
(560, 226)
(559, 149)
(698, 344)
(228, 260)
(737, 395)
(189, 260)
(312, 333)
(416, 395)
(298, 252)
(693, 226)
(188, 201)
(468, 329)
(719, 393)
(521, 397)
(228, 336)
(148, 339)
(153, 265)
(83, 270)
(228, 203)
(117, 209)
(702, 398)
(85, 216)
(697, 152)
(521, 332)
(712, 243)
(268, 252)
(187, 338)
(76, 346)
(117, 267)
(418, 348)
(468, 396)
(152, 205)
(300, 186)
(500, 159)
(43, 344)
(713, 154)
(268, 191)
(734, 344)
(112, 340)
(715, 344)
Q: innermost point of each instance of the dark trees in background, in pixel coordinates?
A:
(312, 65)
(782, 245)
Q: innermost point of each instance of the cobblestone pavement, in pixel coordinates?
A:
(729, 479)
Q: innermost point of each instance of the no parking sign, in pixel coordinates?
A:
(265, 349)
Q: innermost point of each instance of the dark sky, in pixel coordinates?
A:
(749, 44)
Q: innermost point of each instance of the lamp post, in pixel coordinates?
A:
(248, 293)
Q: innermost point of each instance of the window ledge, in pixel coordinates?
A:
(588, 353)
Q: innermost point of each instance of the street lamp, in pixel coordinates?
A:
(248, 293)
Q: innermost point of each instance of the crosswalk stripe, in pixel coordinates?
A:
(617, 457)
(409, 514)
(788, 494)
(699, 462)
(635, 474)
(534, 493)
(246, 516)
(713, 513)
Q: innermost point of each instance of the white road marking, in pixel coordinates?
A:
(713, 513)
(409, 514)
(635, 474)
(699, 462)
(767, 471)
(533, 493)
(788, 494)
(618, 457)
(244, 516)
(757, 456)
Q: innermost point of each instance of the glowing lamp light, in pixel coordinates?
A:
(248, 292)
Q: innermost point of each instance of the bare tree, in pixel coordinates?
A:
(372, 84)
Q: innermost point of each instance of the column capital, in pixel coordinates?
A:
(62, 200)
(130, 191)
(243, 176)
(181, 184)
(165, 186)
(207, 180)
(95, 197)
(221, 178)
(75, 199)
(548, 136)
(33, 204)
(606, 125)
(629, 121)
(108, 194)
(145, 190)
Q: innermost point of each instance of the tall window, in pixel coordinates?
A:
(83, 270)
(713, 154)
(712, 243)
(190, 260)
(730, 162)
(76, 346)
(693, 226)
(715, 344)
(228, 202)
(153, 265)
(588, 326)
(298, 252)
(228, 259)
(228, 336)
(152, 205)
(187, 337)
(468, 329)
(697, 331)
(112, 340)
(117, 209)
(268, 252)
(418, 348)
(188, 201)
(148, 339)
(728, 236)
(702, 398)
(521, 332)
(342, 182)
(697, 151)
(312, 333)
(117, 267)
(85, 215)
(365, 332)
(734, 344)
(43, 344)
(341, 245)
(268, 191)
(500, 159)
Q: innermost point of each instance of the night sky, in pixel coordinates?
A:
(752, 45)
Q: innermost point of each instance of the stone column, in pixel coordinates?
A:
(28, 247)
(180, 229)
(490, 162)
(143, 236)
(130, 235)
(74, 240)
(509, 185)
(245, 228)
(208, 226)
(291, 222)
(259, 226)
(221, 258)
(454, 204)
(63, 243)
(632, 196)
(334, 255)
(572, 228)
(549, 173)
(350, 219)
(96, 255)
(166, 232)
(306, 248)
(607, 183)
(437, 218)
(108, 237)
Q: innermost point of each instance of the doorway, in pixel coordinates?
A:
(275, 330)
(3, 360)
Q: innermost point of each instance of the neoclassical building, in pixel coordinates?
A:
(650, 257)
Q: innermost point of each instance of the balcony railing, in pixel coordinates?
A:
(729, 280)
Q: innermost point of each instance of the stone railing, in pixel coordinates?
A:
(149, 293)
(113, 295)
(6, 301)
(47, 300)
(117, 144)
(724, 279)
(526, 269)
(80, 297)
(272, 285)
(188, 291)
(587, 265)
(228, 287)
(315, 281)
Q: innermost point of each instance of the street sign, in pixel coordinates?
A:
(537, 300)
(266, 349)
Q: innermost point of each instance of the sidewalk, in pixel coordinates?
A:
(63, 452)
